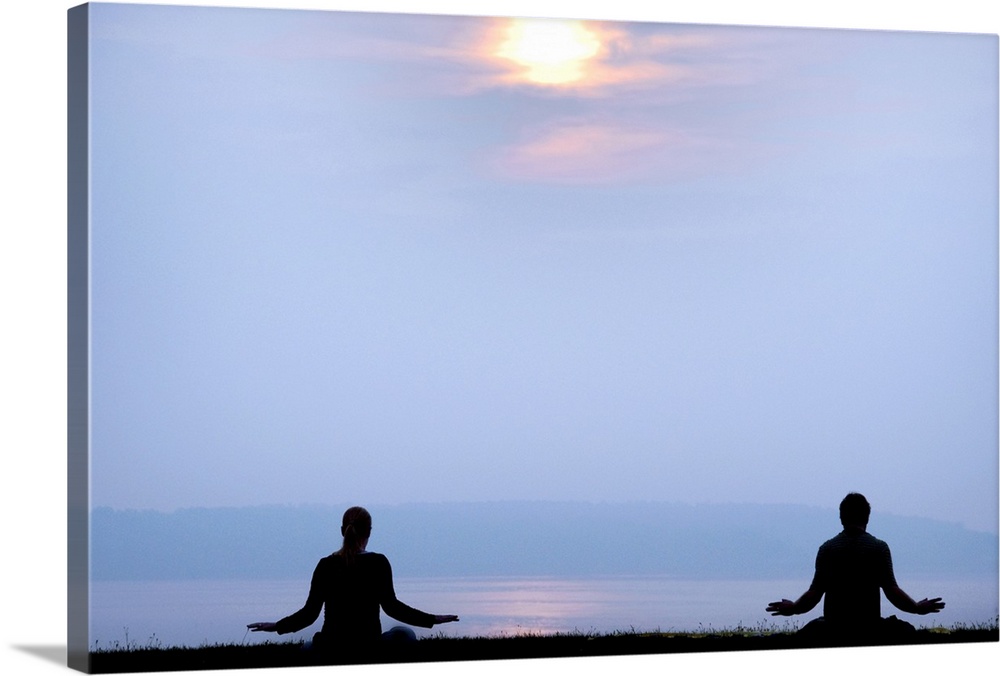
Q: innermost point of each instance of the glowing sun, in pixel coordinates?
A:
(552, 51)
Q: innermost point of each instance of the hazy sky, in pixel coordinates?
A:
(382, 258)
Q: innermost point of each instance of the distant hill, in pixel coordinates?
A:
(735, 541)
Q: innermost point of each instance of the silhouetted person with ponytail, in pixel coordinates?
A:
(851, 568)
(351, 585)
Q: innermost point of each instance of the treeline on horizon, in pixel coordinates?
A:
(734, 541)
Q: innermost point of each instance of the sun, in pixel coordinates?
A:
(553, 51)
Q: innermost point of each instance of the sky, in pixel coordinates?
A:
(385, 258)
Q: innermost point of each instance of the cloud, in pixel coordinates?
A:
(654, 102)
(584, 152)
(466, 56)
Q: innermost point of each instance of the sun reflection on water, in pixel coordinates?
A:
(511, 607)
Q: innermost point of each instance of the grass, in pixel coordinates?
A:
(133, 656)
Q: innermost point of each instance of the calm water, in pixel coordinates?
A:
(197, 612)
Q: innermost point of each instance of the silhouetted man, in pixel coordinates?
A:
(851, 568)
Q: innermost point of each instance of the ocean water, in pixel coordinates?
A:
(199, 612)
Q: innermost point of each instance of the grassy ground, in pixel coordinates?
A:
(152, 657)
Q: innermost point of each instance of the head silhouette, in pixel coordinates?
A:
(854, 510)
(356, 528)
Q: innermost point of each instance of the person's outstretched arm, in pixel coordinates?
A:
(803, 604)
(398, 610)
(303, 617)
(902, 600)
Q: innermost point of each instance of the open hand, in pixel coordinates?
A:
(441, 619)
(782, 607)
(929, 606)
(262, 626)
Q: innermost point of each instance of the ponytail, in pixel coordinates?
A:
(356, 528)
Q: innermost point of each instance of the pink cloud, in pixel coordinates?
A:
(590, 153)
